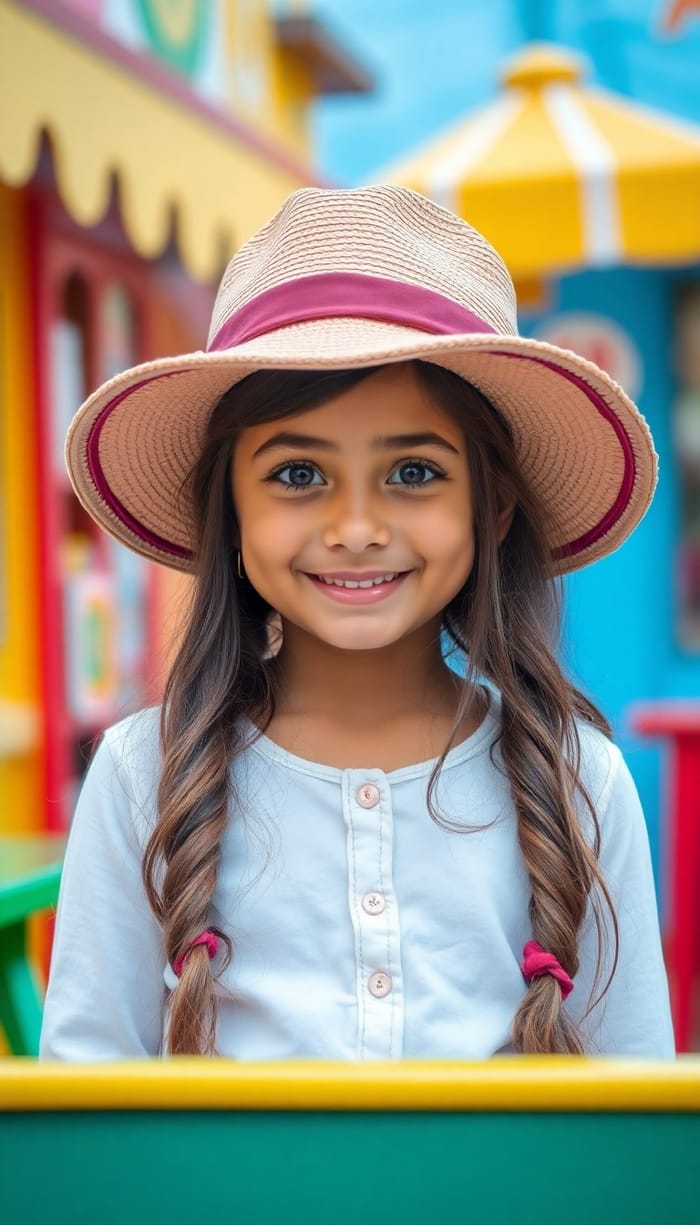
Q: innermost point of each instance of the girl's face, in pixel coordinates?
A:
(371, 488)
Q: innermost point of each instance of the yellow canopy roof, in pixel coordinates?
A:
(560, 176)
(169, 159)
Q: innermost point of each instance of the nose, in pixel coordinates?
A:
(356, 522)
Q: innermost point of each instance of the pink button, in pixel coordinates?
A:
(379, 984)
(367, 795)
(373, 903)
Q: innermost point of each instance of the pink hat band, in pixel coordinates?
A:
(347, 295)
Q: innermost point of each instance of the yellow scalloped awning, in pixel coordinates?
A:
(105, 123)
(560, 176)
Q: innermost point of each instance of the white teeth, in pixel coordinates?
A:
(368, 582)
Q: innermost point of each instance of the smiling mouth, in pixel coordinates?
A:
(353, 584)
(370, 589)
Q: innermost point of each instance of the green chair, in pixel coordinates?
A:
(30, 871)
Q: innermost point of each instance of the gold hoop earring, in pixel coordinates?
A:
(238, 565)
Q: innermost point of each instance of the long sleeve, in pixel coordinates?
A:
(105, 993)
(634, 1017)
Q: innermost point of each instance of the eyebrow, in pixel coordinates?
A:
(394, 442)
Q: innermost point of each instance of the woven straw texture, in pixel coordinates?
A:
(384, 232)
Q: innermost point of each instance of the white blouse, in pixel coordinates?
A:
(361, 928)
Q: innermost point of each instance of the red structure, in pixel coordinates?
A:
(679, 724)
(97, 308)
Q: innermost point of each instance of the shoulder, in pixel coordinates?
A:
(600, 760)
(116, 804)
(129, 753)
(600, 763)
(613, 792)
(134, 738)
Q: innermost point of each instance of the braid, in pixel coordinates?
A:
(193, 792)
(504, 621)
(560, 864)
(219, 675)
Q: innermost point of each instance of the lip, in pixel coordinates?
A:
(358, 595)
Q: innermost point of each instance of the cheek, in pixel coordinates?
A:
(456, 557)
(445, 532)
(271, 533)
(453, 562)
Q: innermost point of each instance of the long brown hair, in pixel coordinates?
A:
(505, 620)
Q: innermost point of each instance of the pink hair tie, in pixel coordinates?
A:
(207, 938)
(536, 962)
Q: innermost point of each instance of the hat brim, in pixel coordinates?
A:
(582, 444)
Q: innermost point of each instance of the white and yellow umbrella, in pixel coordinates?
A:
(559, 176)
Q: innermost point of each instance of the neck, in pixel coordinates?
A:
(361, 688)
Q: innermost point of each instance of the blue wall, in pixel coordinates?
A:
(619, 639)
(434, 62)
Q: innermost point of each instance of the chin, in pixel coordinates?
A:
(357, 640)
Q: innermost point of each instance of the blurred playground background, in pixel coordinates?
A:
(141, 142)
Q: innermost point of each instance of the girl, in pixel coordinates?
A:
(327, 842)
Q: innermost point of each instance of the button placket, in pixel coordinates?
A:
(380, 1004)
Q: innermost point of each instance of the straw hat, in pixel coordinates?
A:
(363, 277)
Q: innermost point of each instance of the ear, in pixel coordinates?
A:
(505, 518)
